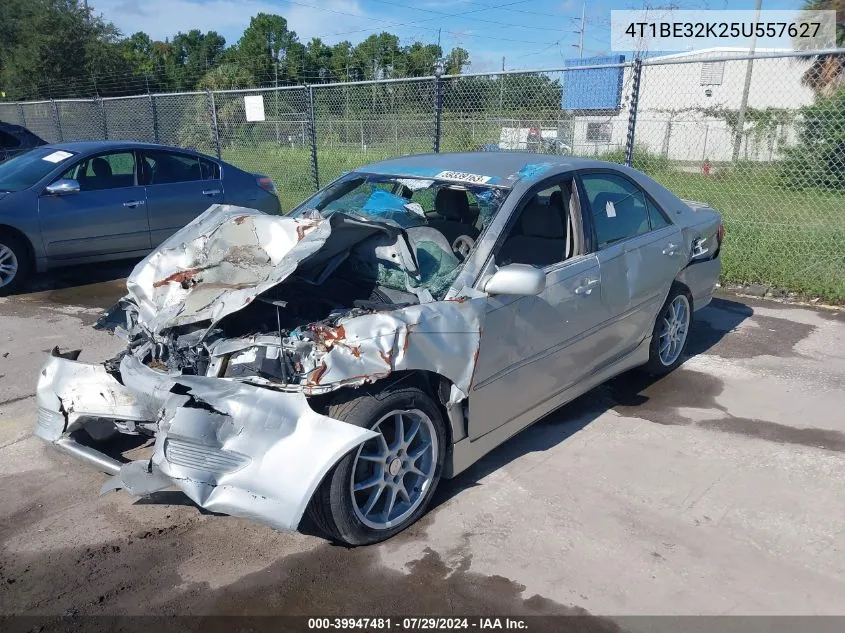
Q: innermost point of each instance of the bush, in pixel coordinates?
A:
(818, 160)
(644, 160)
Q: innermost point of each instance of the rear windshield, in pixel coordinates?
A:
(21, 172)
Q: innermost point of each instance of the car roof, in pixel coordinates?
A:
(501, 167)
(92, 146)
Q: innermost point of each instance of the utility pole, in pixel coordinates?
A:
(580, 31)
(740, 117)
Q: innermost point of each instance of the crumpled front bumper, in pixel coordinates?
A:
(230, 447)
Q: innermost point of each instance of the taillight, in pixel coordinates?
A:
(266, 184)
(720, 233)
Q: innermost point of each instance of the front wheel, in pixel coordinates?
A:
(671, 333)
(386, 484)
(14, 264)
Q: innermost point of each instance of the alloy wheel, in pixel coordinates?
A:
(394, 470)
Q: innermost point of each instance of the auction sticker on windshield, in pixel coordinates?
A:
(476, 179)
(57, 156)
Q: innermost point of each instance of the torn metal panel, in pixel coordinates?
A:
(70, 393)
(218, 263)
(442, 337)
(231, 447)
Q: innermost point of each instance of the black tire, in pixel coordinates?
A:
(331, 508)
(655, 365)
(21, 259)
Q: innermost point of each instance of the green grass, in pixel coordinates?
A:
(794, 240)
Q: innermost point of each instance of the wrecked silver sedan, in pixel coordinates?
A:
(389, 332)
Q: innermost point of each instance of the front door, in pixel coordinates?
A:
(107, 216)
(533, 348)
(179, 188)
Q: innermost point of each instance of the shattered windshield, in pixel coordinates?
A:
(437, 216)
(408, 202)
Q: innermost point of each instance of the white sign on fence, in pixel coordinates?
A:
(254, 106)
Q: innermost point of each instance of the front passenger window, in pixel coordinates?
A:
(617, 207)
(105, 171)
(542, 233)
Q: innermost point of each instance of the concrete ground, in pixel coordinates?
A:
(716, 490)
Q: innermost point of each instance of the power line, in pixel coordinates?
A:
(452, 15)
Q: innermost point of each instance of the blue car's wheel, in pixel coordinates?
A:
(14, 264)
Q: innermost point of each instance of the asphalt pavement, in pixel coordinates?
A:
(715, 490)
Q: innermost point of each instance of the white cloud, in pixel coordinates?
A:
(164, 18)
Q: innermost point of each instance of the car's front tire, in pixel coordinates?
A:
(14, 263)
(386, 484)
(671, 332)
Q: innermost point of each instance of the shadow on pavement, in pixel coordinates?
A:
(627, 390)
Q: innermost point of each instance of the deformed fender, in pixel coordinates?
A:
(231, 447)
(442, 337)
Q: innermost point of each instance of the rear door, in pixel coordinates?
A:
(639, 252)
(179, 187)
(107, 216)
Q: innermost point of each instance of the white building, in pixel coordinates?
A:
(686, 102)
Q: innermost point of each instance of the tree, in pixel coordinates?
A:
(195, 54)
(265, 46)
(456, 61)
(377, 55)
(826, 72)
(57, 48)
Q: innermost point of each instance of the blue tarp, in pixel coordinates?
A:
(594, 88)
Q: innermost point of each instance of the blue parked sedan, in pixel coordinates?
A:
(91, 201)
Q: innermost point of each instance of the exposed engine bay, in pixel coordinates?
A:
(263, 299)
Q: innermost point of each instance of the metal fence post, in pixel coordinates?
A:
(154, 116)
(312, 133)
(105, 119)
(438, 104)
(57, 120)
(215, 131)
(21, 114)
(632, 117)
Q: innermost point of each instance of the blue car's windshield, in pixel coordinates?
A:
(21, 172)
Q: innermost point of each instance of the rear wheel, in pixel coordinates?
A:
(14, 263)
(671, 332)
(386, 484)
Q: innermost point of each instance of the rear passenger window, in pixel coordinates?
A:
(163, 168)
(209, 169)
(618, 208)
(657, 217)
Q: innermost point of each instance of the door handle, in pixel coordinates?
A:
(211, 192)
(134, 203)
(670, 250)
(586, 286)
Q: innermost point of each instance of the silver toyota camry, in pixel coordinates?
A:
(393, 329)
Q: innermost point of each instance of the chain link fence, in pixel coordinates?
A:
(748, 136)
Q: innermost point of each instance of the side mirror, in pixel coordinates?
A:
(516, 279)
(62, 187)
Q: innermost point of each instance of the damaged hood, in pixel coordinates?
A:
(219, 263)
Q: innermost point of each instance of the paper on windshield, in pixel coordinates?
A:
(57, 156)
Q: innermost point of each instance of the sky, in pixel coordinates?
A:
(527, 33)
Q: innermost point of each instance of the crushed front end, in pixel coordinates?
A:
(234, 328)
